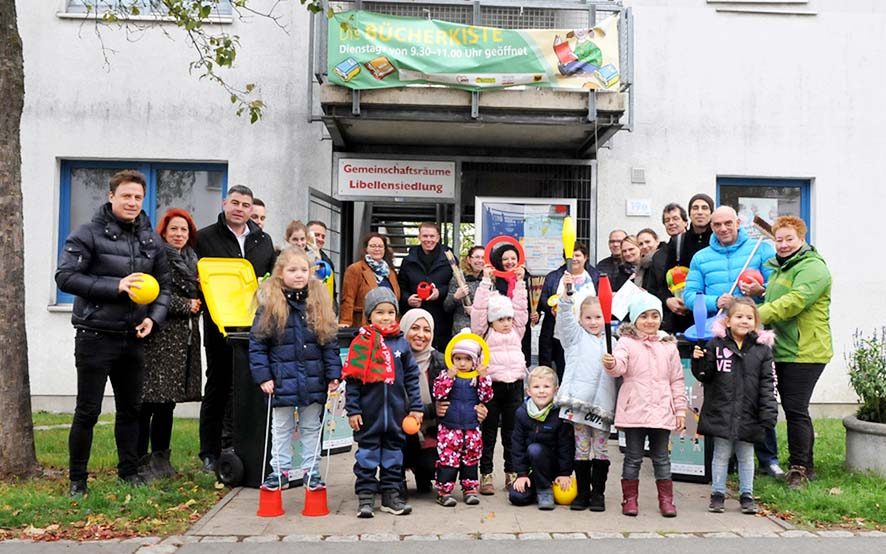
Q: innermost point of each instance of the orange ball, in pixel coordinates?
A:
(410, 425)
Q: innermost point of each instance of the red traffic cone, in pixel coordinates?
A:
(316, 504)
(270, 503)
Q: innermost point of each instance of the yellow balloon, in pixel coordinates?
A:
(146, 291)
(565, 498)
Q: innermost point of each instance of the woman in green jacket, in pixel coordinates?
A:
(797, 304)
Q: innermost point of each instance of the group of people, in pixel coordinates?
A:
(554, 419)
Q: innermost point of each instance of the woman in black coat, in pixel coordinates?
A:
(172, 353)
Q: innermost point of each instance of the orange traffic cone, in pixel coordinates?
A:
(316, 504)
(270, 503)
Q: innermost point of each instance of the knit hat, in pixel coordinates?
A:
(467, 347)
(376, 296)
(702, 196)
(642, 303)
(499, 306)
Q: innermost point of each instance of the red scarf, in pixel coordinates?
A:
(369, 358)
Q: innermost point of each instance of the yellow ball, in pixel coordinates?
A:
(565, 498)
(146, 291)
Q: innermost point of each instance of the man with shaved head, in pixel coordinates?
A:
(712, 272)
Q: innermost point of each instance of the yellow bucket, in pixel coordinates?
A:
(229, 286)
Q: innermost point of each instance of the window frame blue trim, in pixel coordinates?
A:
(805, 186)
(150, 170)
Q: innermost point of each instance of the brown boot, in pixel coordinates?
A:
(666, 497)
(630, 492)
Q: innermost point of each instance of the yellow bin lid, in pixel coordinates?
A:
(229, 286)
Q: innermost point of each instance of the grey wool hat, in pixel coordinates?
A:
(377, 296)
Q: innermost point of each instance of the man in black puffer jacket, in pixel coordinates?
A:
(101, 263)
(234, 235)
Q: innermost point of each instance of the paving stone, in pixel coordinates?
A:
(457, 537)
(158, 549)
(680, 536)
(219, 538)
(380, 537)
(871, 534)
(644, 535)
(179, 540)
(145, 541)
(534, 536)
(753, 534)
(796, 534)
(569, 536)
(342, 538)
(421, 538)
(720, 535)
(835, 534)
(498, 537)
(605, 535)
(302, 538)
(105, 541)
(262, 538)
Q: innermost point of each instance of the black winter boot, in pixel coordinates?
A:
(161, 467)
(583, 482)
(393, 504)
(600, 471)
(366, 504)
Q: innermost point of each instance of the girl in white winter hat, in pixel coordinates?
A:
(502, 322)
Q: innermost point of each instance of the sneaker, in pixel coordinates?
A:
(487, 488)
(546, 499)
(393, 504)
(509, 480)
(134, 480)
(471, 498)
(446, 500)
(276, 481)
(78, 489)
(748, 506)
(718, 503)
(774, 470)
(316, 482)
(367, 503)
(796, 477)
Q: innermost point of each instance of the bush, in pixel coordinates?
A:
(867, 374)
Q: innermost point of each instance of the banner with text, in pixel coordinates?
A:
(396, 178)
(369, 50)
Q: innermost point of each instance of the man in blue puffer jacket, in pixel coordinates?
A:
(712, 272)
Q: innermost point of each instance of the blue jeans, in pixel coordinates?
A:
(283, 427)
(767, 449)
(744, 453)
(541, 476)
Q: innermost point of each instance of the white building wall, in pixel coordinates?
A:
(722, 94)
(716, 95)
(144, 105)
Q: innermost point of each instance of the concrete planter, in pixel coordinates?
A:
(865, 445)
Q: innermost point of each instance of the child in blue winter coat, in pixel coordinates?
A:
(587, 393)
(294, 357)
(382, 386)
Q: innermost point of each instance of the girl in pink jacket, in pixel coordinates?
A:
(502, 322)
(651, 402)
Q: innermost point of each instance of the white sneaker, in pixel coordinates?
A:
(774, 470)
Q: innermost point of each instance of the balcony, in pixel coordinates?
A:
(533, 121)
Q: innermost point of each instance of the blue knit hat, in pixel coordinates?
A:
(644, 302)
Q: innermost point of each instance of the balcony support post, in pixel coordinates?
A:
(355, 102)
(475, 104)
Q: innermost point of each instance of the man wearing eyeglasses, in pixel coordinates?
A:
(609, 264)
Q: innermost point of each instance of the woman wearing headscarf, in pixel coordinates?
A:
(375, 269)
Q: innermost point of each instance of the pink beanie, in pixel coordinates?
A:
(467, 347)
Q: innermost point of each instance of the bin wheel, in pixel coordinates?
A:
(229, 468)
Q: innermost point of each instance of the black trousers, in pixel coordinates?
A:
(99, 357)
(796, 381)
(155, 427)
(422, 462)
(506, 398)
(216, 426)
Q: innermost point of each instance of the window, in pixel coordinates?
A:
(767, 198)
(220, 8)
(198, 188)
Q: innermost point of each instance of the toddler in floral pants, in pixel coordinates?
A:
(459, 440)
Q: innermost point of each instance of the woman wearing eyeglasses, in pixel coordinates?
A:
(375, 269)
(472, 268)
